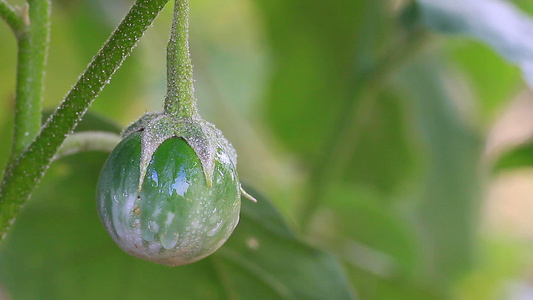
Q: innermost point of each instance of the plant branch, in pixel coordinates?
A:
(23, 174)
(343, 137)
(180, 100)
(88, 141)
(32, 53)
(12, 18)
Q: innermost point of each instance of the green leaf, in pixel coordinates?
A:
(363, 217)
(264, 248)
(525, 5)
(446, 211)
(318, 89)
(395, 287)
(382, 156)
(500, 261)
(518, 157)
(311, 61)
(498, 23)
(58, 249)
(493, 90)
(380, 247)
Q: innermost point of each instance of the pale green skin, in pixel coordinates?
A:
(176, 218)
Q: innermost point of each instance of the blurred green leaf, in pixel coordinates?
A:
(380, 247)
(410, 16)
(382, 155)
(319, 83)
(517, 157)
(509, 33)
(311, 63)
(263, 249)
(363, 222)
(446, 212)
(500, 260)
(525, 5)
(493, 90)
(58, 249)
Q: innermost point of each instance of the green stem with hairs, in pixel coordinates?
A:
(180, 100)
(11, 17)
(32, 53)
(24, 173)
(88, 141)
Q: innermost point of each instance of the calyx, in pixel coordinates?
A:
(203, 137)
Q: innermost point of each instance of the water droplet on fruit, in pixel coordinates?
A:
(215, 229)
(169, 240)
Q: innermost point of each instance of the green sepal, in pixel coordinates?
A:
(203, 137)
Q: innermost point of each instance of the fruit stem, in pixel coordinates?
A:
(180, 100)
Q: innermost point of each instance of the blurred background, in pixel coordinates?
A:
(404, 153)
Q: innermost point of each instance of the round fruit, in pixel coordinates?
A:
(174, 217)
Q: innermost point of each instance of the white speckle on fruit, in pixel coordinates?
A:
(117, 225)
(148, 235)
(223, 157)
(154, 246)
(128, 207)
(214, 218)
(156, 212)
(170, 217)
(195, 224)
(215, 229)
(153, 226)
